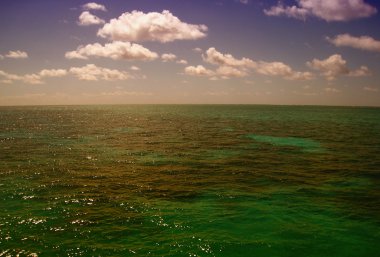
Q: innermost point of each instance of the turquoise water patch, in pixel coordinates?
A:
(305, 144)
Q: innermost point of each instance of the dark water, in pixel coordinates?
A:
(189, 181)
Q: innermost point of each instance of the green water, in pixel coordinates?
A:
(189, 181)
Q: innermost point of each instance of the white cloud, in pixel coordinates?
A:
(91, 72)
(135, 68)
(168, 57)
(217, 58)
(283, 70)
(363, 71)
(198, 71)
(331, 67)
(9, 78)
(87, 19)
(53, 73)
(363, 42)
(126, 93)
(182, 62)
(94, 6)
(17, 54)
(328, 10)
(116, 50)
(197, 50)
(332, 90)
(226, 72)
(222, 72)
(289, 11)
(230, 67)
(335, 66)
(34, 78)
(152, 26)
(371, 89)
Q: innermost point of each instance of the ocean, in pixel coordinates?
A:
(190, 180)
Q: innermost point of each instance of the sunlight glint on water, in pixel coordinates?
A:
(189, 181)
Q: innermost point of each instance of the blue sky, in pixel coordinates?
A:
(324, 52)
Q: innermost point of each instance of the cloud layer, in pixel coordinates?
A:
(199, 70)
(364, 42)
(91, 72)
(153, 26)
(335, 66)
(116, 50)
(229, 67)
(9, 78)
(328, 10)
(282, 70)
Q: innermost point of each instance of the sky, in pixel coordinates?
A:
(291, 52)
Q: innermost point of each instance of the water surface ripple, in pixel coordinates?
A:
(189, 181)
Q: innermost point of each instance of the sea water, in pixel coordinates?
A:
(189, 180)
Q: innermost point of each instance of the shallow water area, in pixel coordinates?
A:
(189, 181)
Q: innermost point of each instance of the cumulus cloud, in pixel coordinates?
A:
(222, 72)
(94, 6)
(53, 73)
(199, 70)
(331, 67)
(328, 10)
(197, 50)
(116, 50)
(335, 66)
(135, 68)
(182, 62)
(363, 71)
(364, 42)
(283, 70)
(91, 72)
(34, 78)
(168, 57)
(229, 66)
(226, 72)
(87, 19)
(289, 11)
(217, 58)
(17, 54)
(152, 26)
